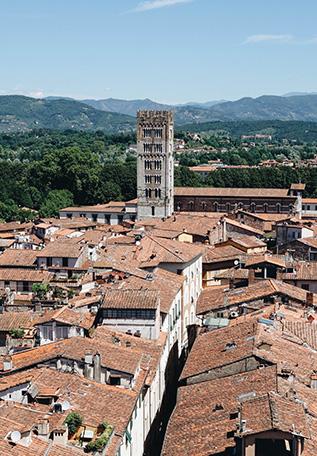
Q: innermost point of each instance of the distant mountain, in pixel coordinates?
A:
(302, 107)
(267, 107)
(295, 94)
(186, 113)
(206, 104)
(19, 113)
(128, 107)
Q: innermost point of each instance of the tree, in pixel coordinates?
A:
(56, 200)
(73, 421)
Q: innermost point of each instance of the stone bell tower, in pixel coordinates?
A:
(155, 136)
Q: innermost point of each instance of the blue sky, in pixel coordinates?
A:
(168, 50)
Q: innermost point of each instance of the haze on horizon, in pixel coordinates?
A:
(172, 51)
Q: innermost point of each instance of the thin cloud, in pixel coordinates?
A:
(156, 4)
(269, 38)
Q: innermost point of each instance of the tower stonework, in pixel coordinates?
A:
(155, 138)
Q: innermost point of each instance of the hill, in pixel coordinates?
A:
(267, 107)
(291, 130)
(19, 113)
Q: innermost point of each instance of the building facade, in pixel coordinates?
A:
(155, 180)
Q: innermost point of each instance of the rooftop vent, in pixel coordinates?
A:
(230, 346)
(217, 407)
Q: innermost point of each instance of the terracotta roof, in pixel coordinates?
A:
(271, 412)
(309, 200)
(298, 186)
(195, 224)
(244, 227)
(16, 320)
(15, 226)
(166, 284)
(211, 349)
(18, 258)
(266, 217)
(66, 248)
(204, 410)
(24, 275)
(219, 297)
(233, 273)
(214, 254)
(303, 271)
(275, 260)
(233, 192)
(152, 251)
(6, 243)
(310, 242)
(112, 206)
(114, 355)
(130, 299)
(67, 316)
(248, 241)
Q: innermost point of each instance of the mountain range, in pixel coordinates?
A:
(267, 107)
(20, 113)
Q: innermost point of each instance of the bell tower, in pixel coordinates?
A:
(155, 137)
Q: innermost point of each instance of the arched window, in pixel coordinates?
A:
(252, 207)
(278, 208)
(265, 206)
(216, 206)
(159, 193)
(228, 207)
(204, 206)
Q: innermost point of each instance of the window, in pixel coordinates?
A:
(69, 215)
(49, 261)
(94, 217)
(26, 286)
(65, 262)
(114, 380)
(153, 211)
(305, 286)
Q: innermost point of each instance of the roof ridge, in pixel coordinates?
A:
(164, 247)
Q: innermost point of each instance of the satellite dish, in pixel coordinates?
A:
(65, 405)
(15, 436)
